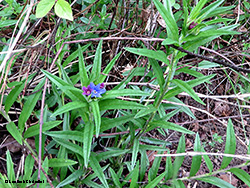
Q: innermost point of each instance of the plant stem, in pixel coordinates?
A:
(172, 68)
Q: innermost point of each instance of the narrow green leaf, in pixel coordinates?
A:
(72, 135)
(158, 73)
(158, 55)
(29, 105)
(196, 161)
(144, 163)
(178, 184)
(144, 112)
(74, 93)
(183, 85)
(10, 167)
(192, 83)
(72, 177)
(96, 69)
(135, 175)
(12, 96)
(169, 167)
(63, 10)
(110, 123)
(242, 175)
(115, 178)
(28, 167)
(109, 104)
(167, 15)
(65, 75)
(112, 153)
(97, 117)
(11, 127)
(108, 68)
(196, 10)
(156, 181)
(6, 23)
(216, 181)
(123, 92)
(179, 160)
(230, 146)
(84, 78)
(170, 125)
(70, 106)
(208, 161)
(87, 141)
(135, 152)
(210, 33)
(98, 170)
(69, 145)
(75, 54)
(210, 8)
(55, 162)
(153, 171)
(43, 7)
(34, 130)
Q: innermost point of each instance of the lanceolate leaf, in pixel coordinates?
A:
(109, 104)
(96, 70)
(63, 10)
(186, 87)
(55, 162)
(72, 177)
(135, 151)
(230, 144)
(72, 92)
(167, 15)
(70, 106)
(242, 175)
(11, 127)
(156, 181)
(123, 92)
(34, 130)
(82, 69)
(179, 160)
(98, 170)
(97, 117)
(108, 68)
(191, 83)
(43, 7)
(169, 125)
(216, 181)
(196, 161)
(87, 141)
(69, 145)
(29, 105)
(72, 135)
(158, 55)
(158, 73)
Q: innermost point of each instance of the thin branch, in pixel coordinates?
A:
(243, 157)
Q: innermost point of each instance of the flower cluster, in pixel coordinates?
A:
(94, 90)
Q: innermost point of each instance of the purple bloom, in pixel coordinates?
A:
(87, 90)
(97, 90)
(192, 25)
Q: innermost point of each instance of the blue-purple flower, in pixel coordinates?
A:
(87, 90)
(94, 90)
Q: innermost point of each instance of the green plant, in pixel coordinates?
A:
(96, 137)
